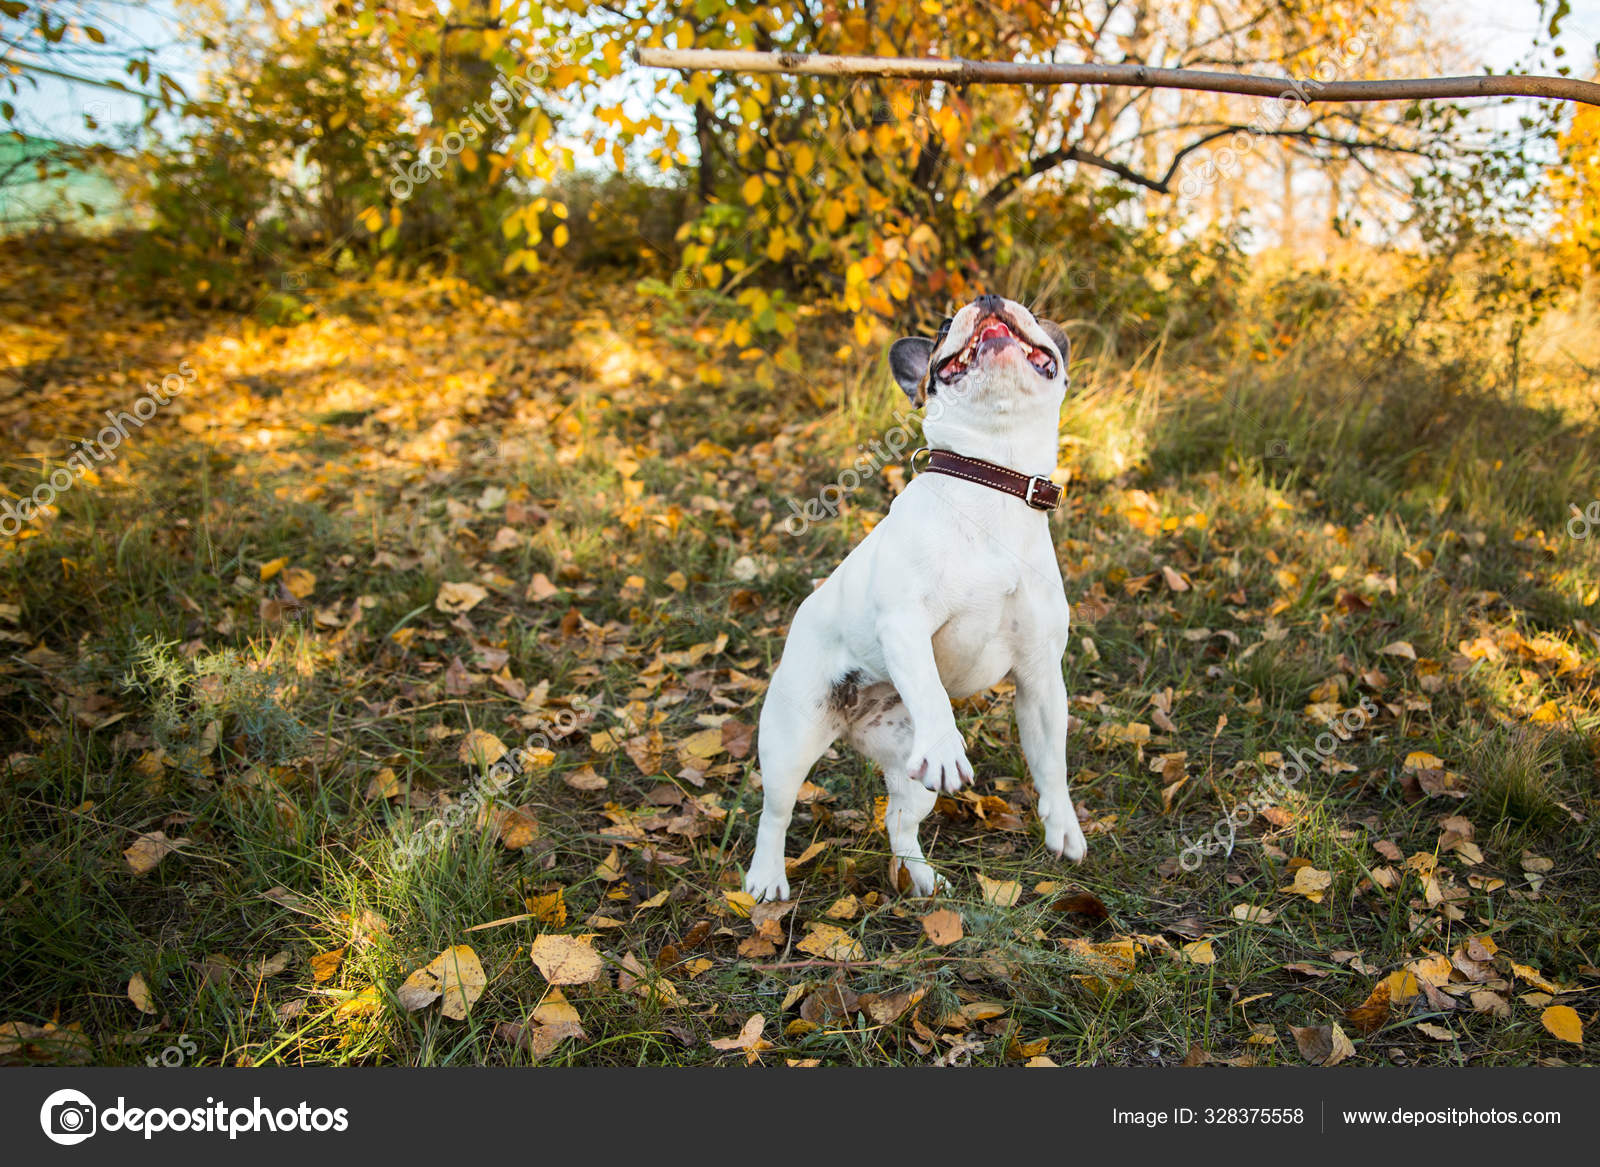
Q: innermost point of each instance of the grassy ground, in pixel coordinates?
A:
(242, 633)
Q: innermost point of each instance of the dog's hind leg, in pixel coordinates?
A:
(881, 729)
(796, 727)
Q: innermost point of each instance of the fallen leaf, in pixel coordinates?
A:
(149, 850)
(547, 907)
(566, 960)
(1000, 893)
(455, 974)
(139, 994)
(459, 597)
(325, 964)
(844, 908)
(480, 749)
(1311, 883)
(749, 1040)
(1322, 1045)
(943, 926)
(830, 942)
(1563, 1022)
(299, 582)
(1199, 952)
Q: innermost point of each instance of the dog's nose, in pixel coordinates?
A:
(989, 303)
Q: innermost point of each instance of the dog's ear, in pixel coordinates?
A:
(1058, 337)
(908, 362)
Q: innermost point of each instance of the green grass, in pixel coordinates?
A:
(252, 725)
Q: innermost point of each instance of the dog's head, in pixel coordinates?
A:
(993, 353)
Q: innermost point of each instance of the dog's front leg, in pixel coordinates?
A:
(1041, 704)
(938, 757)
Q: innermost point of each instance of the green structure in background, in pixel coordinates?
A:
(83, 196)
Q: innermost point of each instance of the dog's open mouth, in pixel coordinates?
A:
(993, 333)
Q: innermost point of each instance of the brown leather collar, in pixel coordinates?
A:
(1035, 490)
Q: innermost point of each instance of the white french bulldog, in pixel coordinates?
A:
(955, 590)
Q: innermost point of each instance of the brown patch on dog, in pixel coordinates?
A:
(845, 693)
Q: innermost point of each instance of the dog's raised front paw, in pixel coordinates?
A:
(942, 766)
(767, 882)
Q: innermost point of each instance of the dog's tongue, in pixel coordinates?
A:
(993, 329)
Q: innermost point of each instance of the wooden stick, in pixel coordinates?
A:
(1030, 73)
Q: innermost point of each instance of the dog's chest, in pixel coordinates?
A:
(996, 615)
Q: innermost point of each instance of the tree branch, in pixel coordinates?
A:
(1031, 73)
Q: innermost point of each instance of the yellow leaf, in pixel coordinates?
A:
(1000, 893)
(325, 964)
(548, 908)
(830, 942)
(753, 189)
(455, 974)
(1563, 1021)
(1199, 952)
(704, 745)
(299, 582)
(560, 235)
(566, 960)
(459, 597)
(1311, 883)
(481, 748)
(273, 567)
(139, 994)
(150, 849)
(469, 159)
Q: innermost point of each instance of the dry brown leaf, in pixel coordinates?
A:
(943, 926)
(749, 1040)
(149, 850)
(1322, 1045)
